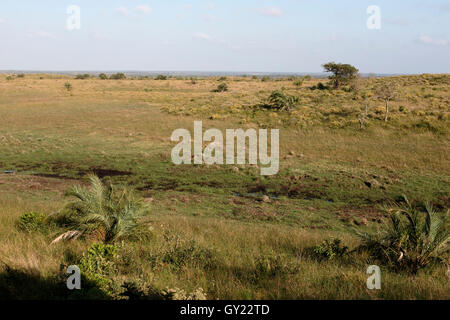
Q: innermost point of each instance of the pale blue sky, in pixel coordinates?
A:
(225, 35)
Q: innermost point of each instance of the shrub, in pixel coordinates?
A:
(118, 76)
(221, 88)
(111, 213)
(9, 78)
(97, 266)
(31, 221)
(221, 79)
(281, 101)
(68, 86)
(321, 86)
(161, 77)
(21, 75)
(331, 249)
(415, 238)
(265, 78)
(82, 76)
(103, 76)
(298, 82)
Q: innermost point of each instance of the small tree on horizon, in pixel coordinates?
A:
(342, 74)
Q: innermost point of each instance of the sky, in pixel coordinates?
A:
(225, 35)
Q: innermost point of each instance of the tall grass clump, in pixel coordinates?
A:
(104, 211)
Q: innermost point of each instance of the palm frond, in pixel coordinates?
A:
(117, 211)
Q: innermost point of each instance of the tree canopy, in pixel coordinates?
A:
(341, 73)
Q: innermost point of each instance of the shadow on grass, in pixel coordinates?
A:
(18, 284)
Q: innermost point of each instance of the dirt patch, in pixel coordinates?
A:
(101, 173)
(29, 183)
(359, 215)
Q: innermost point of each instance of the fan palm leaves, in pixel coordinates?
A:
(114, 211)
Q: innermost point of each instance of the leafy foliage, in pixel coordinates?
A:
(341, 73)
(331, 249)
(103, 209)
(97, 266)
(161, 77)
(82, 76)
(281, 101)
(221, 88)
(118, 76)
(31, 221)
(414, 239)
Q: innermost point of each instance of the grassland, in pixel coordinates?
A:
(208, 226)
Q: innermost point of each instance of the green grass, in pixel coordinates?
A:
(332, 181)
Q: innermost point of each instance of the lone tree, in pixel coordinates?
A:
(342, 73)
(386, 92)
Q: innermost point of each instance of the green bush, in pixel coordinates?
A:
(21, 75)
(97, 266)
(161, 77)
(221, 88)
(82, 76)
(331, 249)
(103, 76)
(31, 221)
(68, 86)
(221, 79)
(118, 76)
(265, 78)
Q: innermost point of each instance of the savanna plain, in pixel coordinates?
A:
(86, 179)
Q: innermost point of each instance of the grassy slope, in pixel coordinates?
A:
(122, 128)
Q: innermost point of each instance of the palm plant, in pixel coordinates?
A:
(281, 101)
(102, 208)
(414, 239)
